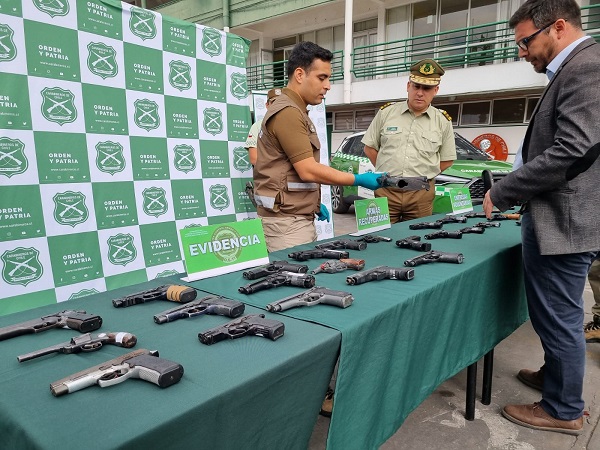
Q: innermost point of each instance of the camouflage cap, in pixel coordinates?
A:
(427, 72)
(273, 93)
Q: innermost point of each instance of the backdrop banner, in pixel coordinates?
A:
(118, 127)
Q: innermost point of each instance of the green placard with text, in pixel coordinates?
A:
(222, 248)
(460, 199)
(372, 214)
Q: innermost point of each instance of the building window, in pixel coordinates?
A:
(343, 121)
(475, 113)
(364, 118)
(452, 109)
(510, 110)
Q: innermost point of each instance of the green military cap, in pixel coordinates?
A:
(427, 72)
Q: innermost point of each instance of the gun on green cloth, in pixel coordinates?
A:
(85, 343)
(312, 297)
(339, 265)
(171, 293)
(209, 305)
(143, 364)
(250, 325)
(315, 254)
(342, 244)
(381, 273)
(75, 320)
(435, 256)
(274, 267)
(279, 279)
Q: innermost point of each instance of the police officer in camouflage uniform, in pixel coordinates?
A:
(412, 139)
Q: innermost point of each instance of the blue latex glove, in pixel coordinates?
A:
(368, 180)
(324, 213)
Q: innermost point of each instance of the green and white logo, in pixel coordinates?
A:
(70, 208)
(109, 157)
(53, 7)
(224, 253)
(213, 121)
(219, 197)
(142, 23)
(8, 50)
(238, 87)
(241, 161)
(155, 201)
(83, 293)
(21, 266)
(180, 75)
(121, 250)
(102, 60)
(166, 273)
(211, 42)
(58, 105)
(12, 157)
(146, 114)
(185, 159)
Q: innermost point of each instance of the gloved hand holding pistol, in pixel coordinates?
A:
(369, 180)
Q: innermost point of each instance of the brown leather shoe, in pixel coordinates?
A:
(592, 330)
(531, 378)
(534, 416)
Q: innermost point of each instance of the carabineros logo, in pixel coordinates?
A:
(146, 114)
(58, 105)
(109, 157)
(241, 161)
(185, 159)
(166, 273)
(219, 197)
(102, 60)
(227, 234)
(121, 249)
(70, 208)
(213, 121)
(53, 7)
(8, 49)
(238, 86)
(83, 293)
(211, 42)
(21, 266)
(142, 23)
(180, 75)
(155, 201)
(12, 157)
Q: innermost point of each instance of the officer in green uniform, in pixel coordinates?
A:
(412, 139)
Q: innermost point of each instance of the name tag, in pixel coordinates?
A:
(391, 129)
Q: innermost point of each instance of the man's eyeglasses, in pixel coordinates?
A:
(523, 44)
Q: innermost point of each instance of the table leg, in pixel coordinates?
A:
(471, 386)
(488, 371)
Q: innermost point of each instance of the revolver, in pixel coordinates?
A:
(250, 325)
(143, 364)
(435, 256)
(279, 279)
(85, 343)
(339, 265)
(317, 253)
(312, 297)
(404, 183)
(274, 267)
(381, 273)
(209, 305)
(343, 244)
(414, 243)
(75, 320)
(172, 293)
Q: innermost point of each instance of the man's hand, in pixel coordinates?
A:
(488, 206)
(323, 214)
(369, 180)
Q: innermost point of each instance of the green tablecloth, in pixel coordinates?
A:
(244, 393)
(401, 339)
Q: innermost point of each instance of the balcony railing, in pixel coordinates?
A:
(465, 47)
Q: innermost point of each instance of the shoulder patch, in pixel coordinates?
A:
(446, 115)
(387, 104)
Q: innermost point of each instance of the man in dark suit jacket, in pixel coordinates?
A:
(558, 184)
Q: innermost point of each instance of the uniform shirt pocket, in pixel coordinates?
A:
(429, 141)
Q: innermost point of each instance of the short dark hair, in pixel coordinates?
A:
(545, 12)
(303, 54)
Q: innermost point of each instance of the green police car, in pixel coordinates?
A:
(466, 171)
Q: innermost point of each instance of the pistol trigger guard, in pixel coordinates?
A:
(115, 377)
(91, 347)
